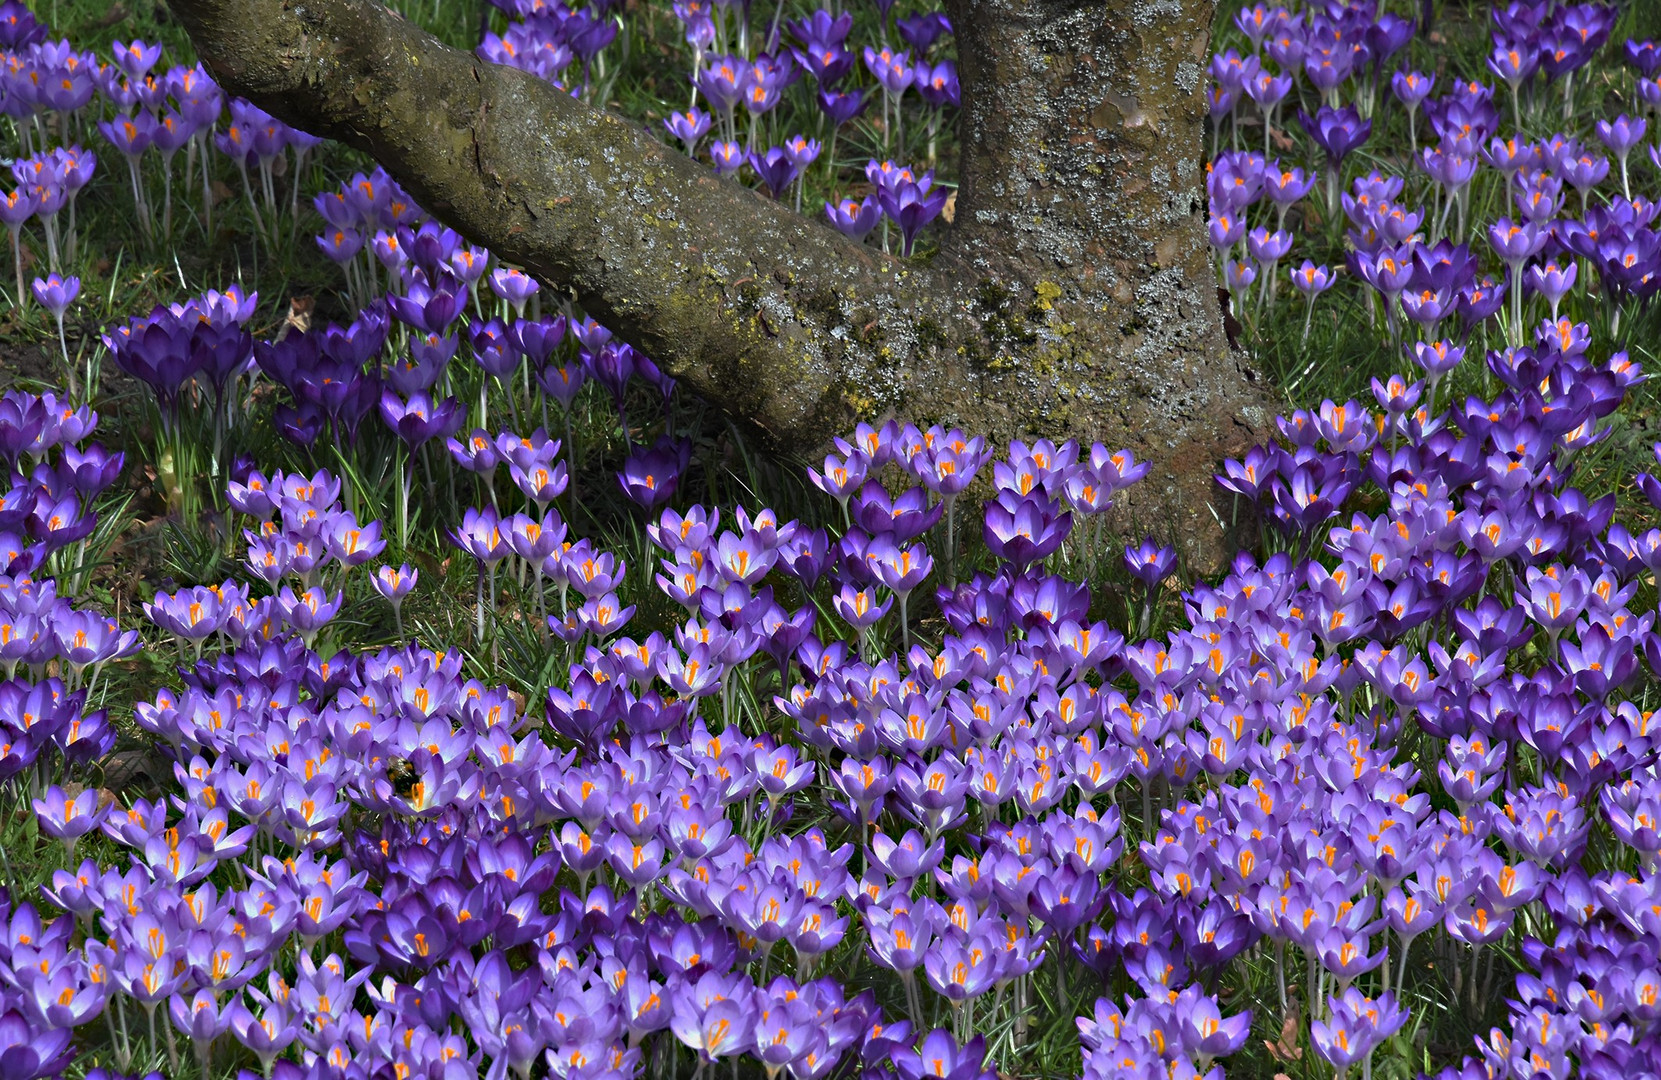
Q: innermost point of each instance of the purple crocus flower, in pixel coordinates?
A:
(841, 107)
(56, 293)
(69, 817)
(939, 1055)
(1150, 563)
(1336, 132)
(419, 419)
(1357, 1026)
(689, 127)
(513, 285)
(1553, 281)
(854, 219)
(395, 584)
(728, 157)
(776, 167)
(429, 307)
(1024, 530)
(1620, 136)
(650, 474)
(938, 84)
(912, 206)
(823, 39)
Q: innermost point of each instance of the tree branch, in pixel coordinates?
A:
(758, 309)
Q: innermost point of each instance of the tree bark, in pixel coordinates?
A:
(1073, 296)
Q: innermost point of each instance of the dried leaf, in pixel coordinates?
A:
(949, 211)
(1286, 1048)
(299, 316)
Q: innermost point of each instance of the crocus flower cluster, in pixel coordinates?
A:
(848, 810)
(52, 651)
(164, 111)
(1030, 794)
(917, 79)
(1565, 209)
(146, 112)
(743, 80)
(47, 184)
(200, 345)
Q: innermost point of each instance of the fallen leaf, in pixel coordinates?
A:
(1287, 1048)
(299, 315)
(949, 211)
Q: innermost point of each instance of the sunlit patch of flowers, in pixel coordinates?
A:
(1394, 753)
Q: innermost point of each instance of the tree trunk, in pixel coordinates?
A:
(1081, 219)
(1072, 298)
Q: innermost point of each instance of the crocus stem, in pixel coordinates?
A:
(109, 1022)
(167, 196)
(173, 1049)
(1096, 547)
(495, 642)
(248, 190)
(403, 499)
(1280, 975)
(50, 225)
(207, 189)
(124, 1055)
(570, 464)
(17, 260)
(64, 345)
(951, 540)
(138, 197)
(913, 1000)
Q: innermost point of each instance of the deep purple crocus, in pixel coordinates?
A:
(854, 219)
